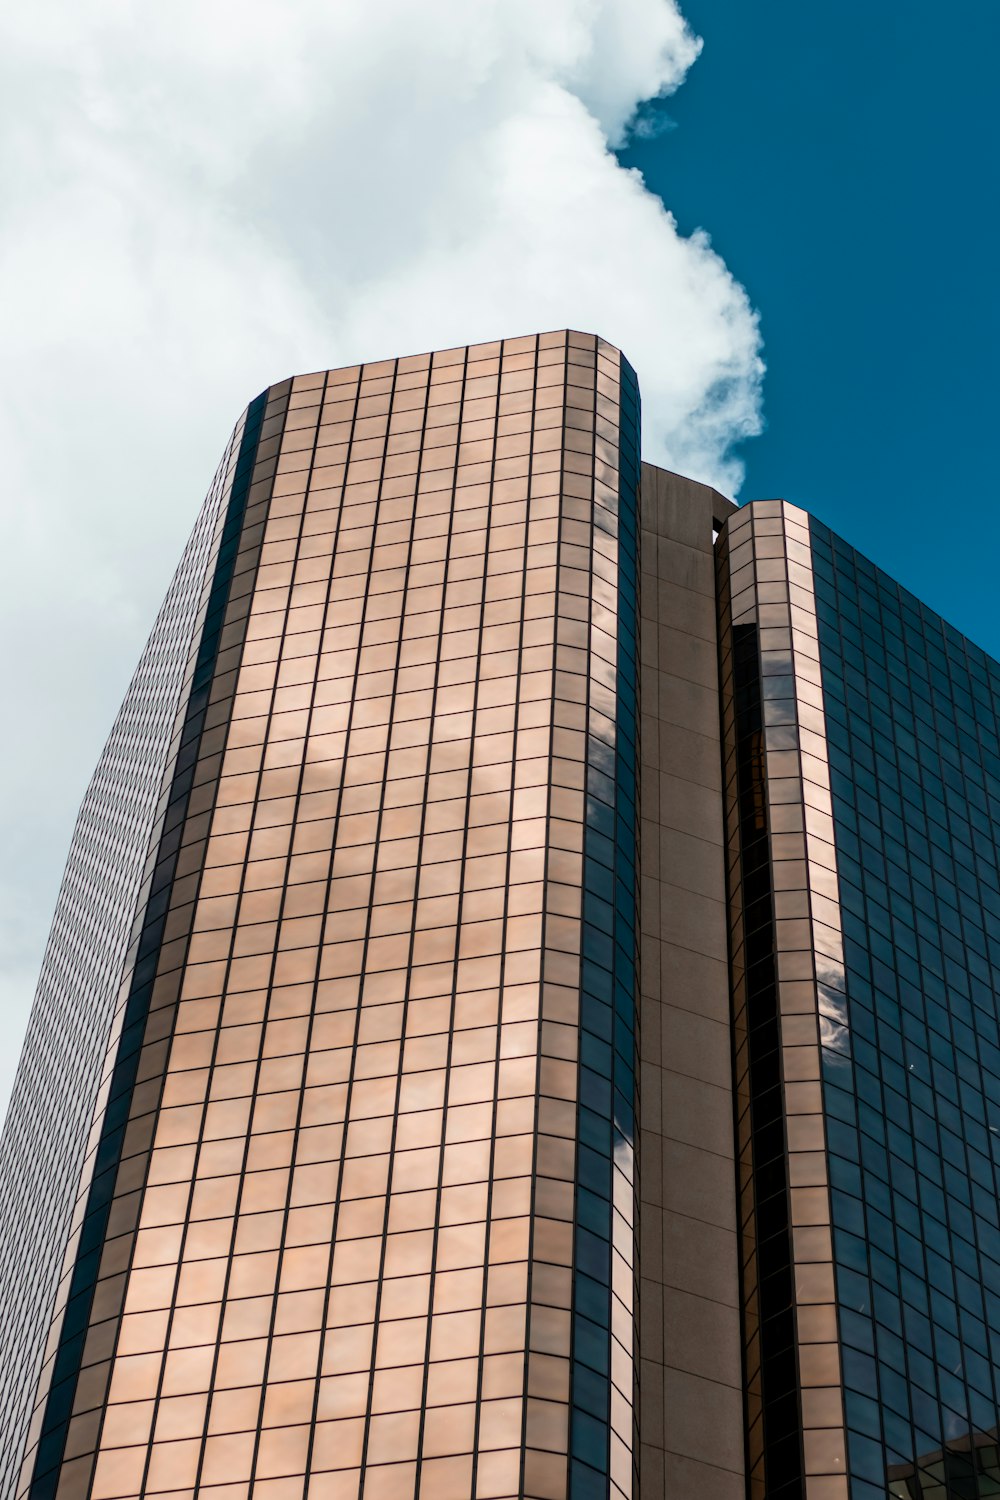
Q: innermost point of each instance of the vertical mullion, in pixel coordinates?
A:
(458, 928)
(274, 962)
(342, 1157)
(417, 895)
(504, 919)
(546, 879)
(373, 1367)
(503, 956)
(583, 1000)
(264, 1020)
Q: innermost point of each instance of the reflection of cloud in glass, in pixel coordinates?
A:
(601, 754)
(603, 672)
(832, 1003)
(829, 971)
(834, 1036)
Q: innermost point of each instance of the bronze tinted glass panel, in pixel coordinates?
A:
(338, 1235)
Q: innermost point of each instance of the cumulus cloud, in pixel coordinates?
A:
(203, 197)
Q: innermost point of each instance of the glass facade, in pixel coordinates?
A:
(47, 1152)
(911, 1069)
(338, 1163)
(786, 954)
(863, 737)
(359, 1209)
(603, 1451)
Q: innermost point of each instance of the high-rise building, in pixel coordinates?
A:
(520, 1018)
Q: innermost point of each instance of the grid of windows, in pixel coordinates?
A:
(44, 1150)
(90, 1292)
(603, 1448)
(787, 980)
(339, 1249)
(873, 730)
(912, 1065)
(342, 983)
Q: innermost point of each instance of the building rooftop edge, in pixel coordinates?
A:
(598, 338)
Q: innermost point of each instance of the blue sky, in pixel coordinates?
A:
(844, 161)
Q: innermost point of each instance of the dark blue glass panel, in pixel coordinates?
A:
(608, 999)
(913, 719)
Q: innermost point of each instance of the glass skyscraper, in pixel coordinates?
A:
(520, 1017)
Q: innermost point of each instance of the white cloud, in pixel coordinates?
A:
(203, 197)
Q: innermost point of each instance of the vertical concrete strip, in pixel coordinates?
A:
(690, 1347)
